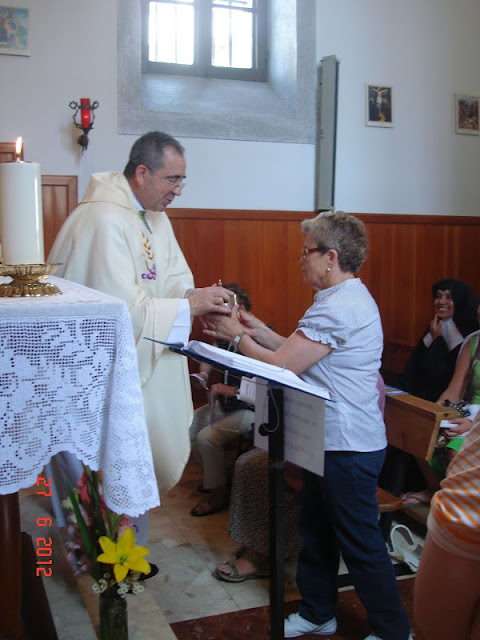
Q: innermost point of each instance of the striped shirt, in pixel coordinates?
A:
(455, 510)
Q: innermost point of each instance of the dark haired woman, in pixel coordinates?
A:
(431, 366)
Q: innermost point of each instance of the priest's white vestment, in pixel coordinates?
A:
(107, 245)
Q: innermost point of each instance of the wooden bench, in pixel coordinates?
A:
(412, 426)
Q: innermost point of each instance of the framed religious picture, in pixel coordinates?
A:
(379, 107)
(466, 114)
(14, 33)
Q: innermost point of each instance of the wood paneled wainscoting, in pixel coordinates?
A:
(59, 199)
(261, 249)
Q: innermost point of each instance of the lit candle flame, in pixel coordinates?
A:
(18, 149)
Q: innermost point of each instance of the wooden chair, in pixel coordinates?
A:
(412, 426)
(413, 423)
(388, 502)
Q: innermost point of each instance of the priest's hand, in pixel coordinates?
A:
(209, 300)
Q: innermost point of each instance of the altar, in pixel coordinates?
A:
(68, 382)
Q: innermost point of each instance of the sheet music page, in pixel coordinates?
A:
(205, 352)
(253, 367)
(304, 422)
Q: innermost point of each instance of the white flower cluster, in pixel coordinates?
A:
(137, 588)
(102, 585)
(129, 585)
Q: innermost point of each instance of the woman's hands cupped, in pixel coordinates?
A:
(224, 327)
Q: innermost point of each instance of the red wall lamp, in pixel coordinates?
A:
(85, 120)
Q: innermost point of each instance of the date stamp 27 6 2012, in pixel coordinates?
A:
(44, 545)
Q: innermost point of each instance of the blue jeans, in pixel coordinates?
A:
(339, 514)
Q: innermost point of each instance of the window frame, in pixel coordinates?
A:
(202, 66)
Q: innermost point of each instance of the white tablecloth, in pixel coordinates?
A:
(69, 382)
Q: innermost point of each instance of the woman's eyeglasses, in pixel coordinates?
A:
(306, 252)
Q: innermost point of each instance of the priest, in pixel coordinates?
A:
(120, 241)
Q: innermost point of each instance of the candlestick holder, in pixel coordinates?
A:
(87, 118)
(28, 280)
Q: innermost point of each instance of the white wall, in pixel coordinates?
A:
(427, 49)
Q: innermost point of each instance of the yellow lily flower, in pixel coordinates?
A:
(124, 555)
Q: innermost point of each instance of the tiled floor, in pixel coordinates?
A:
(255, 624)
(186, 550)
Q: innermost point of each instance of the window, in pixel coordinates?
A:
(206, 38)
(281, 109)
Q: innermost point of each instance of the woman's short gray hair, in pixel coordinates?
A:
(340, 231)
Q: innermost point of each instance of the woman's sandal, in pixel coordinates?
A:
(415, 498)
(260, 564)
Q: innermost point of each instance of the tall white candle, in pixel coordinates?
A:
(21, 217)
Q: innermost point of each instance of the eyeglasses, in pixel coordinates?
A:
(177, 183)
(306, 252)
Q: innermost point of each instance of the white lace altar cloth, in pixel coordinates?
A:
(69, 382)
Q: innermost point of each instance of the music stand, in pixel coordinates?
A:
(274, 429)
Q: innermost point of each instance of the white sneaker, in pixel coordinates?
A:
(295, 626)
(372, 637)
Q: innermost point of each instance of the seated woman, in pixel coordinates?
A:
(337, 345)
(217, 424)
(430, 367)
(248, 518)
(465, 385)
(428, 373)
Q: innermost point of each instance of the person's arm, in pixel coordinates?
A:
(226, 390)
(432, 355)
(204, 370)
(456, 388)
(218, 389)
(260, 332)
(297, 353)
(204, 373)
(436, 327)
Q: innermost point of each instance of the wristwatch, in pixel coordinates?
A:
(236, 340)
